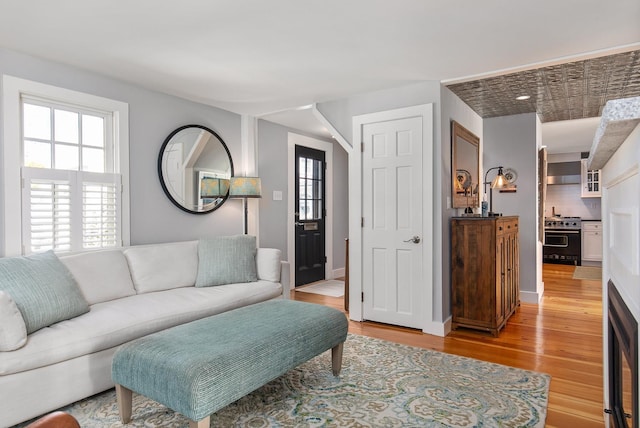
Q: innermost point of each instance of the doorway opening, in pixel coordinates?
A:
(293, 205)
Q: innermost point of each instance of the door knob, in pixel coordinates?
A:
(415, 240)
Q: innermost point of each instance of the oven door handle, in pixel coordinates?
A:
(562, 231)
(556, 246)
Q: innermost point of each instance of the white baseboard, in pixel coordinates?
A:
(438, 328)
(338, 273)
(530, 297)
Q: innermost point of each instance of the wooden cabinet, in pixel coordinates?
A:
(590, 181)
(592, 241)
(484, 272)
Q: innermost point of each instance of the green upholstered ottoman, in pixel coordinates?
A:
(198, 368)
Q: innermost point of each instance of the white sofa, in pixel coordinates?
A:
(131, 292)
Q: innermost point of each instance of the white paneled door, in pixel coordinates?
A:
(392, 177)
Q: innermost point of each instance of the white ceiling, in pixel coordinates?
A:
(258, 57)
(569, 136)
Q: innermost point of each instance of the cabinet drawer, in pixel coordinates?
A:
(506, 226)
(589, 226)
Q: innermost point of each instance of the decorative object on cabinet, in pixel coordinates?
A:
(483, 298)
(590, 181)
(510, 175)
(465, 166)
(189, 158)
(498, 182)
(245, 187)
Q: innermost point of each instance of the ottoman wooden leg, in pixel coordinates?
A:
(336, 359)
(202, 423)
(124, 397)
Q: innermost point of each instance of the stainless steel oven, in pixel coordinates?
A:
(563, 241)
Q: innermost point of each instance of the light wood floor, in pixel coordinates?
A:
(561, 337)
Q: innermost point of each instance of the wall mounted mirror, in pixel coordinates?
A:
(465, 167)
(195, 168)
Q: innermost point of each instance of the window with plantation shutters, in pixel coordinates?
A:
(64, 169)
(71, 196)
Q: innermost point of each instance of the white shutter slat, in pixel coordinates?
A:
(100, 210)
(70, 210)
(47, 207)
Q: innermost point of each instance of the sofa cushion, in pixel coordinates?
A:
(226, 260)
(160, 267)
(13, 332)
(101, 275)
(268, 264)
(42, 288)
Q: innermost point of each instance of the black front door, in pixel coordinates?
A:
(310, 215)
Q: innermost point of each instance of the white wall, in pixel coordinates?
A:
(621, 227)
(568, 202)
(452, 109)
(566, 197)
(152, 116)
(511, 141)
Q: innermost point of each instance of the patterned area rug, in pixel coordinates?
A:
(382, 384)
(587, 272)
(331, 287)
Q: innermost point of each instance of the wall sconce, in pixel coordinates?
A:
(498, 182)
(245, 187)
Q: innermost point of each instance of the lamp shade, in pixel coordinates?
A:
(245, 187)
(213, 187)
(500, 181)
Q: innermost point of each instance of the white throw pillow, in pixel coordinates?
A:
(268, 264)
(101, 275)
(13, 332)
(158, 267)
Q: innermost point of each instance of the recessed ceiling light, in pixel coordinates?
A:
(523, 97)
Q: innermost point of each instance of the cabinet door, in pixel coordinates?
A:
(592, 245)
(473, 277)
(590, 181)
(501, 277)
(512, 272)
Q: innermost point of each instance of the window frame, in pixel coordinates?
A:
(13, 89)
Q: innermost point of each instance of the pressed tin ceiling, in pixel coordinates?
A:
(574, 90)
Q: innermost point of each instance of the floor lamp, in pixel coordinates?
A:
(497, 183)
(244, 188)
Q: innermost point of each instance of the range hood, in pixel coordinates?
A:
(563, 173)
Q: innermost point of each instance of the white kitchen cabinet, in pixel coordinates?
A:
(592, 241)
(590, 181)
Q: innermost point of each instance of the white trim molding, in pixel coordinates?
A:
(294, 139)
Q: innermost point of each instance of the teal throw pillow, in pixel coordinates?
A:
(226, 260)
(42, 288)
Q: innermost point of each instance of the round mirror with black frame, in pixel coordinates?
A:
(195, 168)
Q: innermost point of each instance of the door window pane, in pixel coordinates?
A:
(66, 126)
(37, 122)
(309, 173)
